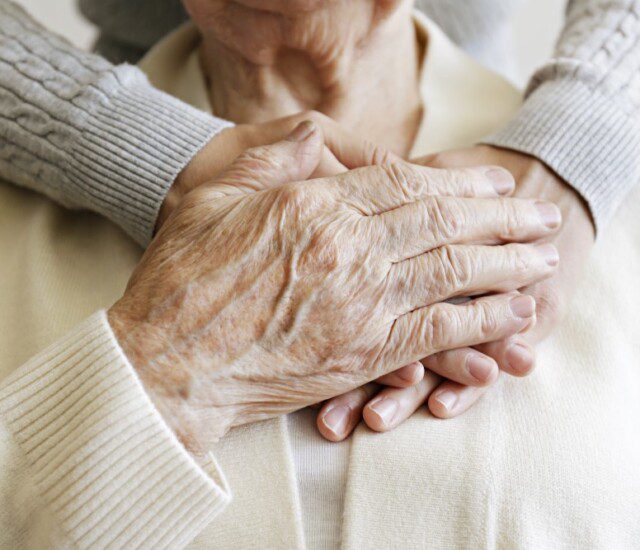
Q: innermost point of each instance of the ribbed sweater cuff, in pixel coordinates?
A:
(102, 458)
(585, 135)
(133, 147)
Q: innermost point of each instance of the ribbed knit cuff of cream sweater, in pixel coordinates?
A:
(98, 452)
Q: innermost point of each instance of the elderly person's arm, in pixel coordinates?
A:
(318, 287)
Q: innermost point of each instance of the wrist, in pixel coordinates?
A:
(169, 385)
(213, 158)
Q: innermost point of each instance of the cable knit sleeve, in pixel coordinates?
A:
(101, 460)
(582, 110)
(87, 134)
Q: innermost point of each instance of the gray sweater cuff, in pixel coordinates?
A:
(589, 138)
(132, 149)
(87, 134)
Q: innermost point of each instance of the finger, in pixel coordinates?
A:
(355, 152)
(459, 270)
(294, 158)
(464, 365)
(404, 377)
(349, 149)
(436, 221)
(446, 326)
(339, 416)
(394, 405)
(451, 399)
(379, 189)
(514, 355)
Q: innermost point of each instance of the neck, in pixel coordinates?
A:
(361, 69)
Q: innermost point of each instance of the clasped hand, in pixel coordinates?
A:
(260, 296)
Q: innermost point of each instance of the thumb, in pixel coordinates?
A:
(294, 158)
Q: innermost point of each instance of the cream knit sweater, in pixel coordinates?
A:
(86, 461)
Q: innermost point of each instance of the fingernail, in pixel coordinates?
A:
(523, 306)
(336, 419)
(549, 253)
(481, 368)
(386, 409)
(519, 357)
(549, 214)
(302, 131)
(447, 399)
(502, 181)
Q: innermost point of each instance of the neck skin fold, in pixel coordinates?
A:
(349, 61)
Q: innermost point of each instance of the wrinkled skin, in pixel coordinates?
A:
(385, 410)
(263, 63)
(343, 150)
(259, 297)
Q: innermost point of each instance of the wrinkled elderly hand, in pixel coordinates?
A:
(251, 305)
(472, 370)
(226, 146)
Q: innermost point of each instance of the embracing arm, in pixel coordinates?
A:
(89, 134)
(582, 112)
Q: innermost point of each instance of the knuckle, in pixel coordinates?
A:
(409, 181)
(520, 261)
(512, 216)
(459, 182)
(455, 268)
(440, 327)
(468, 182)
(444, 218)
(488, 322)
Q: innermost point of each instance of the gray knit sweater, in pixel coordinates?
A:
(96, 136)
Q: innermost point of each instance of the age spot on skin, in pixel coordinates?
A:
(183, 391)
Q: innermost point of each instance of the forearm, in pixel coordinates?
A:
(88, 134)
(92, 440)
(581, 116)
